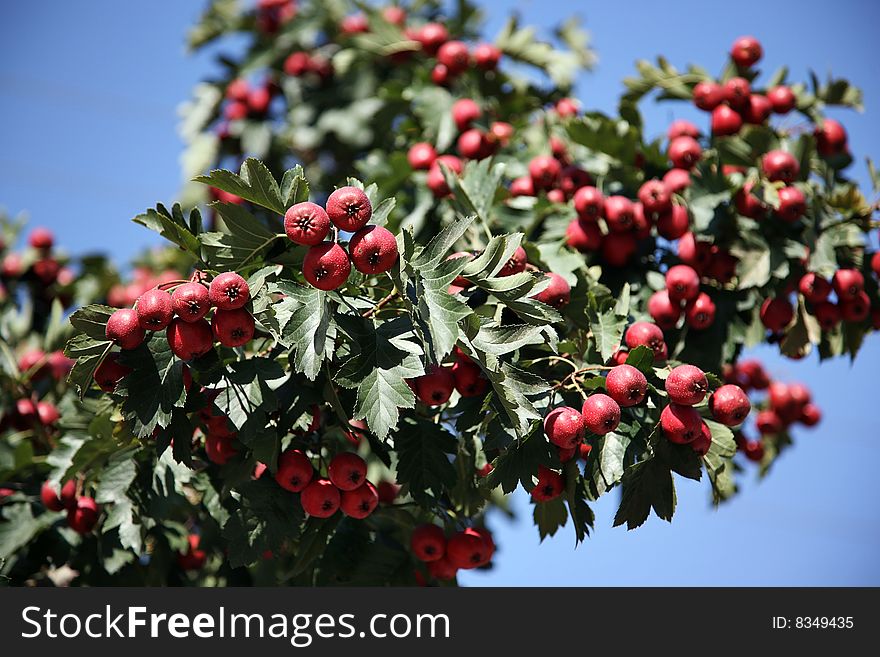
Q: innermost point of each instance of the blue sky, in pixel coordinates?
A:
(88, 98)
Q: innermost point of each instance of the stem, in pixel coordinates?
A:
(384, 302)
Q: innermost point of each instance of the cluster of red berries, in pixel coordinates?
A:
(124, 295)
(272, 14)
(82, 510)
(182, 315)
(39, 266)
(345, 488)
(463, 376)
(464, 550)
(326, 266)
(682, 297)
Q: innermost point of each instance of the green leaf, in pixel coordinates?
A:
(92, 320)
(608, 461)
(646, 485)
(173, 227)
(478, 185)
(423, 449)
(642, 358)
(19, 527)
(254, 183)
(441, 243)
(244, 242)
(607, 328)
(154, 387)
(305, 320)
(294, 187)
(519, 464)
(550, 516)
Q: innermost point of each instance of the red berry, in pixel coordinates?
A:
(349, 208)
(48, 414)
(687, 385)
(682, 283)
(619, 214)
(454, 56)
(703, 442)
(673, 224)
(557, 294)
(154, 310)
(41, 238)
(830, 138)
(124, 329)
(746, 51)
(549, 486)
(220, 448)
(347, 471)
(684, 152)
(229, 291)
(708, 95)
(467, 549)
(110, 372)
(236, 111)
(326, 266)
(875, 263)
(50, 497)
(827, 314)
(193, 558)
(754, 450)
(769, 423)
(487, 56)
(814, 288)
(428, 543)
(725, 121)
(601, 414)
(435, 387)
(567, 107)
(730, 405)
(464, 112)
(780, 166)
(59, 365)
(431, 36)
(258, 100)
(522, 186)
(516, 263)
(681, 424)
(238, 89)
(583, 235)
(618, 248)
(700, 313)
(776, 313)
(747, 204)
(84, 516)
(436, 180)
(502, 131)
(473, 145)
(360, 502)
(373, 250)
(440, 75)
(782, 99)
(626, 385)
(297, 64)
(442, 569)
(189, 340)
(792, 204)
(655, 197)
(421, 156)
(294, 471)
(848, 283)
(544, 171)
(648, 335)
(676, 181)
(737, 92)
(320, 499)
(354, 24)
(663, 311)
(857, 309)
(758, 109)
(589, 203)
(811, 415)
(233, 328)
(191, 302)
(682, 128)
(306, 223)
(564, 427)
(469, 379)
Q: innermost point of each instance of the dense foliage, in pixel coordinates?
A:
(411, 275)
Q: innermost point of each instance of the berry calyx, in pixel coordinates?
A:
(687, 385)
(373, 250)
(233, 328)
(191, 302)
(700, 313)
(681, 424)
(349, 208)
(730, 405)
(154, 310)
(626, 385)
(428, 543)
(189, 340)
(601, 414)
(306, 223)
(360, 502)
(326, 266)
(320, 499)
(229, 291)
(294, 471)
(347, 471)
(564, 427)
(124, 329)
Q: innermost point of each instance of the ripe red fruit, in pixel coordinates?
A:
(440, 75)
(46, 270)
(655, 197)
(394, 14)
(811, 415)
(619, 213)
(436, 181)
(856, 309)
(469, 380)
(684, 152)
(792, 204)
(51, 500)
(442, 569)
(875, 263)
(326, 266)
(190, 301)
(730, 405)
(84, 516)
(754, 450)
(354, 24)
(297, 64)
(749, 205)
(648, 335)
(776, 313)
(827, 314)
(258, 100)
(725, 121)
(421, 156)
(320, 499)
(673, 224)
(48, 413)
(487, 56)
(467, 549)
(110, 372)
(601, 414)
(589, 203)
(663, 311)
(516, 263)
(193, 558)
(464, 112)
(294, 471)
(758, 109)
(830, 138)
(41, 238)
(349, 208)
(567, 107)
(557, 294)
(848, 283)
(746, 51)
(780, 166)
(676, 180)
(626, 385)
(428, 543)
(236, 111)
(59, 365)
(687, 385)
(431, 36)
(708, 95)
(681, 424)
(229, 291)
(124, 329)
(189, 339)
(769, 423)
(703, 442)
(700, 313)
(233, 328)
(347, 471)
(360, 502)
(583, 235)
(306, 223)
(522, 186)
(373, 250)
(219, 447)
(472, 144)
(544, 171)
(682, 283)
(564, 427)
(782, 99)
(549, 486)
(154, 310)
(238, 90)
(454, 56)
(435, 387)
(502, 131)
(682, 128)
(737, 92)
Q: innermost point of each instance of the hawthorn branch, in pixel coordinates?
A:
(384, 302)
